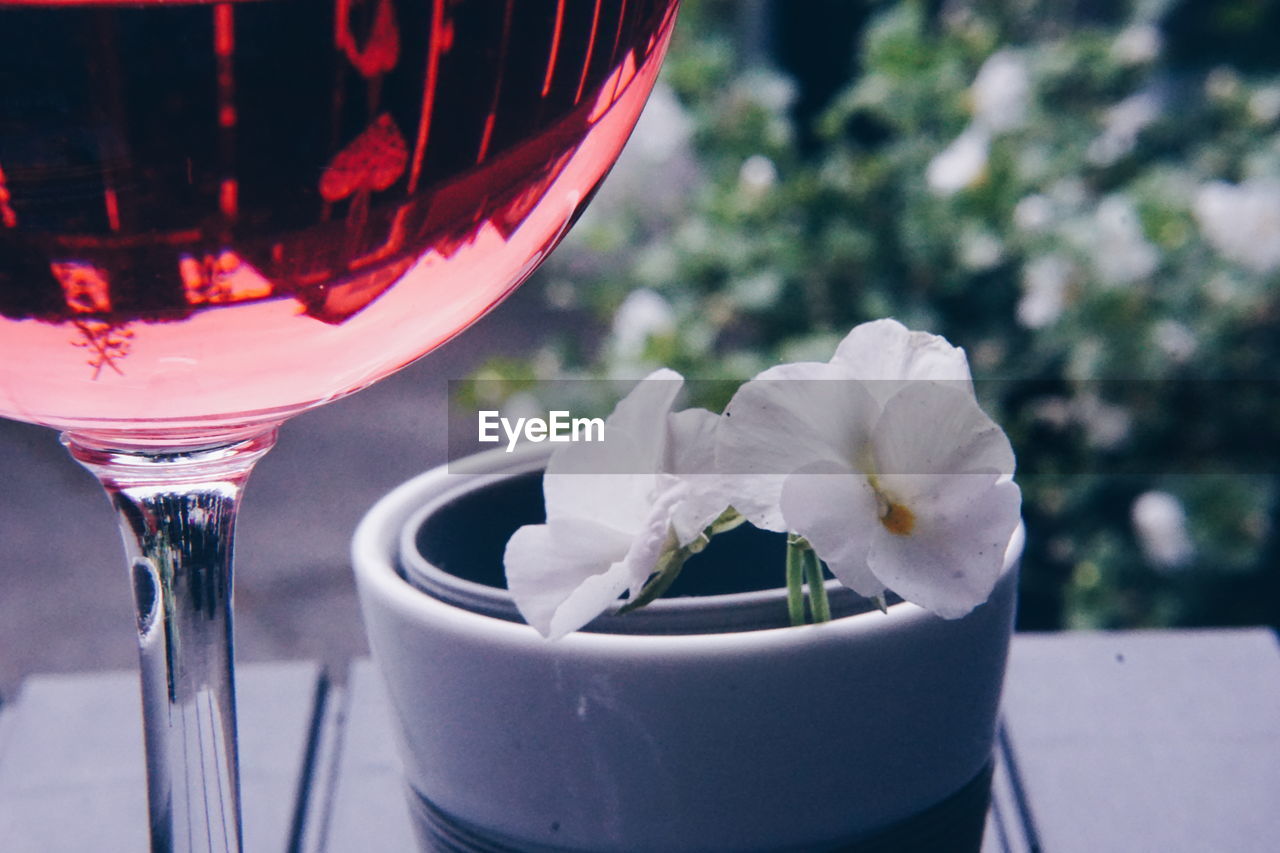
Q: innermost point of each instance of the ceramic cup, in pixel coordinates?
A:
(703, 732)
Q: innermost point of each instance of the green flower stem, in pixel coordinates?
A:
(673, 559)
(727, 520)
(818, 604)
(796, 548)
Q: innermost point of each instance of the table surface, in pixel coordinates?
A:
(1132, 741)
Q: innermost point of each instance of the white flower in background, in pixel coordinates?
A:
(643, 315)
(1123, 123)
(1264, 104)
(1106, 425)
(1045, 281)
(1175, 340)
(882, 460)
(1223, 83)
(961, 164)
(663, 130)
(661, 143)
(775, 92)
(1242, 221)
(1069, 193)
(523, 404)
(1118, 246)
(1160, 523)
(1137, 44)
(615, 509)
(1001, 93)
(980, 250)
(1033, 213)
(757, 176)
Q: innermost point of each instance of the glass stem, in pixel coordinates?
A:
(177, 510)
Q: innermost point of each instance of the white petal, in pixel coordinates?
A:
(756, 497)
(691, 457)
(611, 481)
(935, 428)
(691, 442)
(951, 560)
(835, 509)
(603, 481)
(641, 559)
(642, 415)
(887, 351)
(785, 419)
(564, 574)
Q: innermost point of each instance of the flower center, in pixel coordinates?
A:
(896, 518)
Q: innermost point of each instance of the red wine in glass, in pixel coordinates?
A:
(214, 215)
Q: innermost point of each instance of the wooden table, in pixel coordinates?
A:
(1138, 741)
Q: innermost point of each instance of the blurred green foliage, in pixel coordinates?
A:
(1076, 193)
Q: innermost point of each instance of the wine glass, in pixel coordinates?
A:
(215, 215)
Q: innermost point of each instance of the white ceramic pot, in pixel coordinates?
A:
(727, 739)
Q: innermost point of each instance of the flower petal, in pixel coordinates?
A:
(936, 428)
(952, 557)
(691, 456)
(691, 442)
(785, 419)
(888, 352)
(835, 509)
(642, 415)
(565, 573)
(612, 481)
(599, 481)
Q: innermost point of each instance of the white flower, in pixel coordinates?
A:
(1242, 221)
(1264, 104)
(664, 130)
(1137, 44)
(784, 414)
(1175, 340)
(660, 144)
(1106, 425)
(1222, 83)
(980, 250)
(1033, 213)
(644, 314)
(1120, 251)
(1001, 92)
(961, 164)
(772, 91)
(1123, 123)
(1160, 523)
(757, 176)
(883, 461)
(1044, 291)
(614, 509)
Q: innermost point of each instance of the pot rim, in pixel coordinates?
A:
(388, 532)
